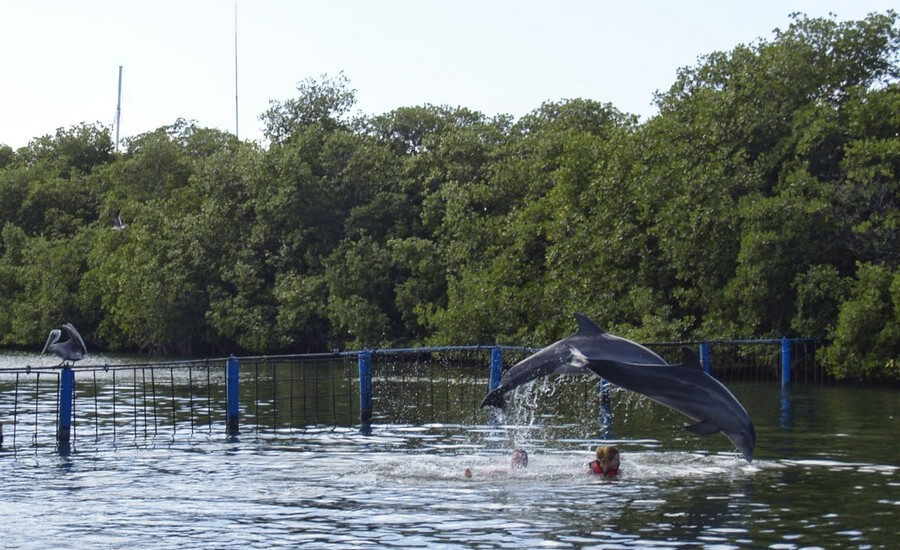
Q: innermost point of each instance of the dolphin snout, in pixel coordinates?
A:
(744, 441)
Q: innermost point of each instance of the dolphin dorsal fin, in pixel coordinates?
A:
(586, 327)
(690, 359)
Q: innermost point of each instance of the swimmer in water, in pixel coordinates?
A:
(517, 461)
(607, 463)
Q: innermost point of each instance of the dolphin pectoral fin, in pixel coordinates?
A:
(704, 427)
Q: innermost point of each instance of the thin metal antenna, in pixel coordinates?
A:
(236, 132)
(119, 110)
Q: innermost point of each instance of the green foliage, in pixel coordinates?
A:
(820, 291)
(320, 103)
(761, 201)
(866, 341)
(6, 156)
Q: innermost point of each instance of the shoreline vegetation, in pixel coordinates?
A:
(761, 201)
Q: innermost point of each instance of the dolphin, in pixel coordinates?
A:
(685, 388)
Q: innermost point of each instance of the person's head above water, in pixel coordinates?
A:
(519, 459)
(607, 455)
(607, 463)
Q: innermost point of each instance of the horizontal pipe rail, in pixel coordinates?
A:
(384, 351)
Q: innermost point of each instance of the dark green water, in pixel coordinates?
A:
(825, 472)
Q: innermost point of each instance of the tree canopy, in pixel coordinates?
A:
(761, 201)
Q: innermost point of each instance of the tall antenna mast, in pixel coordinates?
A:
(119, 110)
(236, 134)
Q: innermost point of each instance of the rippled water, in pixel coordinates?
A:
(825, 474)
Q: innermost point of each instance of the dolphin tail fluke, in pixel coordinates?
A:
(494, 399)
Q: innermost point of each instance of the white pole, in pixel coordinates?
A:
(119, 110)
(236, 133)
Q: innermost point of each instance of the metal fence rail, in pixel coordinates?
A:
(784, 360)
(284, 394)
(115, 401)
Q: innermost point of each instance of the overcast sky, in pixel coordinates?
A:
(60, 59)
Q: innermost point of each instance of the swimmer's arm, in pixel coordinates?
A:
(494, 470)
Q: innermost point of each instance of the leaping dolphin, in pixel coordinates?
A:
(685, 387)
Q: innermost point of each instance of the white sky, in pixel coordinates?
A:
(60, 59)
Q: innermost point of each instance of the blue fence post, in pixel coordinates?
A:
(705, 357)
(231, 396)
(365, 388)
(785, 361)
(496, 367)
(66, 389)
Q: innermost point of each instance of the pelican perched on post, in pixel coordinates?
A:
(72, 349)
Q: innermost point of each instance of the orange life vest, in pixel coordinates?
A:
(598, 469)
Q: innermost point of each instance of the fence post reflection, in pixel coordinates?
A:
(786, 413)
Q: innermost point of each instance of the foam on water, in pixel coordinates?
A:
(549, 467)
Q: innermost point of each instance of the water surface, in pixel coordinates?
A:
(825, 474)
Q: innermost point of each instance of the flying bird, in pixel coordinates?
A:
(684, 387)
(70, 350)
(117, 222)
